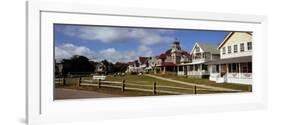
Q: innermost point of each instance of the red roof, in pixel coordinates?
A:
(185, 53)
(168, 64)
(131, 63)
(163, 56)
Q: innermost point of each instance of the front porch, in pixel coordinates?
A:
(243, 78)
(232, 73)
(193, 70)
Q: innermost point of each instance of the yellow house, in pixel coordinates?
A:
(235, 63)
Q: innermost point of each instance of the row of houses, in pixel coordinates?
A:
(230, 61)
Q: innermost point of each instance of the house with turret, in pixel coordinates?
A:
(170, 60)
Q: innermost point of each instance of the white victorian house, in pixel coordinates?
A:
(235, 63)
(201, 54)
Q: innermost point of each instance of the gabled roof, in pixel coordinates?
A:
(206, 47)
(131, 63)
(185, 53)
(229, 36)
(143, 60)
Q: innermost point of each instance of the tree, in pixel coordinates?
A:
(120, 67)
(77, 64)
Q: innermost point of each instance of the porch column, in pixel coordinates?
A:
(239, 66)
(184, 69)
(164, 70)
(178, 68)
(193, 69)
(211, 68)
(239, 70)
(227, 71)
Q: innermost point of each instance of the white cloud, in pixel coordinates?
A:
(66, 51)
(143, 50)
(106, 35)
(113, 55)
(115, 34)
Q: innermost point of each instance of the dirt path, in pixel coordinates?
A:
(193, 84)
(62, 93)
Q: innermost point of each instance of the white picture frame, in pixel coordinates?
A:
(41, 107)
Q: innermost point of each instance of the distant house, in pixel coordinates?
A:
(235, 63)
(100, 68)
(170, 60)
(58, 69)
(144, 65)
(139, 66)
(201, 54)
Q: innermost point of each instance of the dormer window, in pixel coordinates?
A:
(229, 49)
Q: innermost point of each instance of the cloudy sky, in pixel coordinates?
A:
(123, 44)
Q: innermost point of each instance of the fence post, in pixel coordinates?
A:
(123, 86)
(99, 83)
(194, 89)
(59, 81)
(250, 88)
(63, 81)
(79, 81)
(154, 88)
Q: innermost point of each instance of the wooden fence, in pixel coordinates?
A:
(60, 80)
(153, 88)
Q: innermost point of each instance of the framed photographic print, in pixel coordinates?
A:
(87, 62)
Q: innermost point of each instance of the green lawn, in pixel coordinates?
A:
(211, 83)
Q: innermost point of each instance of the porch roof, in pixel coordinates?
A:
(167, 64)
(194, 63)
(232, 60)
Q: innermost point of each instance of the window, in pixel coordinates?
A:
(235, 49)
(204, 67)
(223, 50)
(229, 68)
(250, 67)
(242, 47)
(229, 49)
(234, 67)
(249, 45)
(197, 49)
(246, 67)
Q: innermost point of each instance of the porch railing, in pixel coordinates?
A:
(198, 73)
(180, 73)
(239, 75)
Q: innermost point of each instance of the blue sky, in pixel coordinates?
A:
(122, 44)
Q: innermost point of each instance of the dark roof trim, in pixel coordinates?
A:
(232, 60)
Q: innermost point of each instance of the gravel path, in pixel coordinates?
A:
(62, 93)
(193, 84)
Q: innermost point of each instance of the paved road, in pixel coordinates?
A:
(192, 84)
(62, 93)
